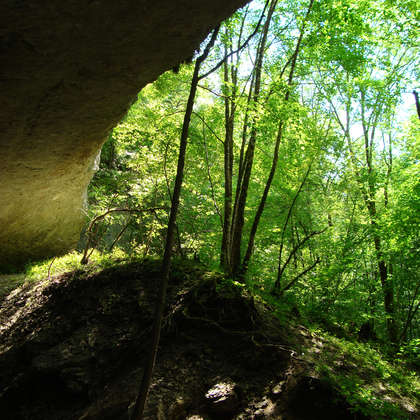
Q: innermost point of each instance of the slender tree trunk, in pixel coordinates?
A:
(296, 278)
(283, 232)
(231, 79)
(117, 238)
(237, 228)
(279, 137)
(282, 267)
(370, 199)
(213, 196)
(178, 235)
(241, 156)
(386, 281)
(228, 170)
(160, 303)
(263, 200)
(369, 196)
(416, 98)
(412, 310)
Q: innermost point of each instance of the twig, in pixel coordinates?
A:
(219, 64)
(49, 268)
(218, 326)
(85, 257)
(205, 123)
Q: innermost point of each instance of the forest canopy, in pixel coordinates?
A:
(301, 176)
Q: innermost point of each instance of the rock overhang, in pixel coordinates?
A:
(68, 73)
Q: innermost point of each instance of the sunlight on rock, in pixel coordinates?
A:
(409, 407)
(220, 391)
(381, 387)
(222, 398)
(264, 408)
(278, 389)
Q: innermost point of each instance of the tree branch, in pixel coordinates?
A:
(291, 283)
(220, 63)
(96, 219)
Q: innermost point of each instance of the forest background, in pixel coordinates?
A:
(302, 169)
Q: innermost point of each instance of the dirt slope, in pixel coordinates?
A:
(73, 348)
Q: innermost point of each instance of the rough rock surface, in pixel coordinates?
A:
(68, 72)
(73, 348)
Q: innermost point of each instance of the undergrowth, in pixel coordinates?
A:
(371, 384)
(377, 384)
(43, 270)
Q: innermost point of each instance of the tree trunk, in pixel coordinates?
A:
(160, 303)
(370, 200)
(228, 170)
(416, 98)
(237, 227)
(279, 137)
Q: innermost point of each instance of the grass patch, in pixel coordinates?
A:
(37, 271)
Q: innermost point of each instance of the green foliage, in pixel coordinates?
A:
(229, 287)
(349, 49)
(45, 270)
(342, 118)
(70, 262)
(39, 269)
(410, 353)
(371, 385)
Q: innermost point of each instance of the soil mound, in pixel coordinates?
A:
(73, 347)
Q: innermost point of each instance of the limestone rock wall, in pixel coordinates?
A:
(68, 72)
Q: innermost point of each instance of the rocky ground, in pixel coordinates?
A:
(73, 347)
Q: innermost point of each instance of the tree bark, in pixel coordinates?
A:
(237, 228)
(160, 303)
(279, 137)
(228, 170)
(416, 99)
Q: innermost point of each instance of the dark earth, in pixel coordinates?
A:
(73, 347)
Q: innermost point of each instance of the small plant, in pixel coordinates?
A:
(410, 353)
